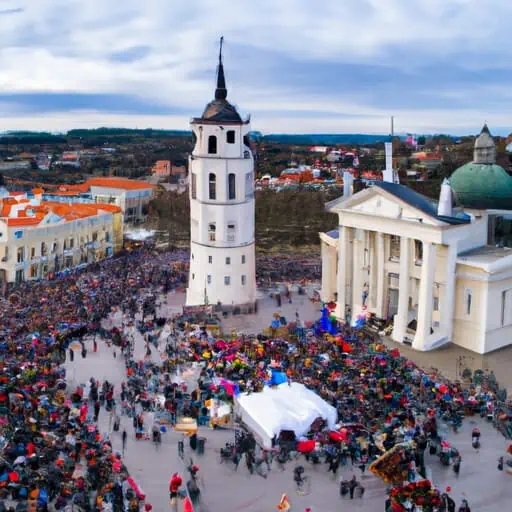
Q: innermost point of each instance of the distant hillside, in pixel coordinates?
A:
(326, 139)
(117, 132)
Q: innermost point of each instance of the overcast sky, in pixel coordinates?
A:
(297, 66)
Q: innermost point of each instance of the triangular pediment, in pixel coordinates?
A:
(377, 202)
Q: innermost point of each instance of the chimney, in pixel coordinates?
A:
(348, 182)
(444, 208)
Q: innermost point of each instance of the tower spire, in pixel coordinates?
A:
(221, 92)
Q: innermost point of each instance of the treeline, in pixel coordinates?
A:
(289, 218)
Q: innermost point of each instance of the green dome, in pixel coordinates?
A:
(482, 186)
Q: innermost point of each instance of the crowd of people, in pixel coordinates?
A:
(54, 456)
(389, 410)
(52, 453)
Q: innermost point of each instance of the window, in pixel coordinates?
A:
(394, 248)
(18, 234)
(212, 186)
(249, 185)
(44, 250)
(231, 232)
(33, 271)
(231, 186)
(72, 241)
(212, 145)
(32, 252)
(54, 247)
(230, 136)
(418, 252)
(20, 257)
(107, 238)
(209, 279)
(228, 260)
(211, 232)
(506, 307)
(20, 276)
(95, 236)
(243, 259)
(210, 259)
(194, 185)
(468, 302)
(244, 279)
(227, 280)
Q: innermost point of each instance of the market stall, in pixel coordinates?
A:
(282, 408)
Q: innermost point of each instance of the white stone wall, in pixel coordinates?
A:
(219, 279)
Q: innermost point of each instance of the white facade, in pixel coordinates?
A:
(133, 202)
(221, 188)
(433, 277)
(29, 252)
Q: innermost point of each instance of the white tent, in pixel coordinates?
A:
(287, 407)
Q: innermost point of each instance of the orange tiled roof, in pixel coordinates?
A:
(122, 183)
(68, 212)
(23, 221)
(37, 191)
(81, 187)
(18, 193)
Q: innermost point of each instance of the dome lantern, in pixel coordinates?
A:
(485, 148)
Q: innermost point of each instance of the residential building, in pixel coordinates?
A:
(132, 196)
(39, 238)
(438, 273)
(162, 168)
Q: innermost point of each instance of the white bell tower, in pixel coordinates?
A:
(221, 187)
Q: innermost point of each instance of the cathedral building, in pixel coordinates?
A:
(221, 187)
(439, 271)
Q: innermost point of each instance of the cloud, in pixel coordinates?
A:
(14, 10)
(296, 65)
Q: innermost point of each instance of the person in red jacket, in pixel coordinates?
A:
(174, 486)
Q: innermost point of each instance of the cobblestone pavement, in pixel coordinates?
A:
(487, 489)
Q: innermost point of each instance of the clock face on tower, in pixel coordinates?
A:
(222, 257)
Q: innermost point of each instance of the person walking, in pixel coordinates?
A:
(124, 438)
(352, 486)
(96, 410)
(71, 355)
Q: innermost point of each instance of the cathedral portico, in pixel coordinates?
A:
(422, 267)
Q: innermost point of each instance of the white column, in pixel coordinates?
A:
(358, 278)
(426, 296)
(341, 284)
(333, 270)
(325, 271)
(381, 273)
(447, 303)
(402, 316)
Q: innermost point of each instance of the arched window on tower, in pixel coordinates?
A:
(212, 186)
(212, 145)
(231, 186)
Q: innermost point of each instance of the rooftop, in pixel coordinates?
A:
(421, 202)
(31, 213)
(488, 258)
(122, 183)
